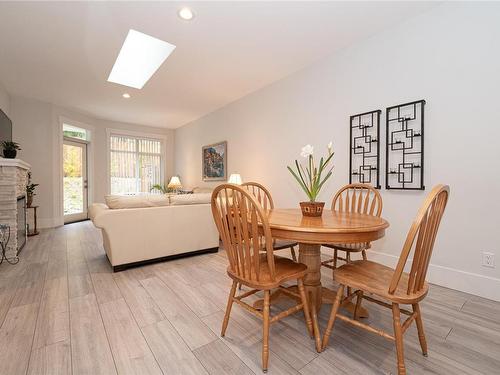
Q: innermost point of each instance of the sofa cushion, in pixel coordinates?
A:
(183, 199)
(136, 201)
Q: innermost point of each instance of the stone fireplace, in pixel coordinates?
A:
(13, 180)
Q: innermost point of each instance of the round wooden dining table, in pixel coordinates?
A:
(310, 232)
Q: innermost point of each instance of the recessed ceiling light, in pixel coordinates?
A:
(126, 95)
(186, 14)
(140, 57)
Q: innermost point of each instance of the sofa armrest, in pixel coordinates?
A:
(95, 210)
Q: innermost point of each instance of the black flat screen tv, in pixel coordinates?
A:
(5, 127)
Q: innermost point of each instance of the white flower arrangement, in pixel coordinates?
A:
(310, 178)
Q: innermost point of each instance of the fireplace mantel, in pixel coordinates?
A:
(4, 162)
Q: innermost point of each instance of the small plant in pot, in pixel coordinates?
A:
(30, 191)
(161, 188)
(311, 179)
(10, 149)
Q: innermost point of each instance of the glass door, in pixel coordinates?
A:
(75, 183)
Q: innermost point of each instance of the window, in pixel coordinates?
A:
(70, 131)
(135, 164)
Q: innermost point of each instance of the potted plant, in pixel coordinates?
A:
(311, 179)
(10, 149)
(30, 191)
(161, 188)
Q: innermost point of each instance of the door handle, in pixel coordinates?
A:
(85, 184)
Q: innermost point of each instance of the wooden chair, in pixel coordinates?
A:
(359, 198)
(266, 201)
(244, 229)
(395, 286)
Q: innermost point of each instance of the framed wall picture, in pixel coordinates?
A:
(214, 162)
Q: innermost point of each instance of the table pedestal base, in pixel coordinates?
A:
(310, 255)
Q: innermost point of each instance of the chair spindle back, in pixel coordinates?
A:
(238, 215)
(424, 229)
(358, 198)
(262, 195)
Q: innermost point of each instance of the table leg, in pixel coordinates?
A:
(35, 219)
(310, 255)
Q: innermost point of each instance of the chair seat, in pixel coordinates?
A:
(352, 247)
(375, 278)
(283, 244)
(285, 269)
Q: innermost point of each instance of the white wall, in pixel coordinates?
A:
(32, 129)
(4, 101)
(449, 57)
(36, 126)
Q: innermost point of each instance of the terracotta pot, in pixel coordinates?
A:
(314, 209)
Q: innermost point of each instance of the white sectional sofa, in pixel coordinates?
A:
(154, 228)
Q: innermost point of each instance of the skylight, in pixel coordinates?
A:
(140, 57)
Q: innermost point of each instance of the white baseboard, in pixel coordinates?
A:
(468, 282)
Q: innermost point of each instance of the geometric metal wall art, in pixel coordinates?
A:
(404, 159)
(364, 160)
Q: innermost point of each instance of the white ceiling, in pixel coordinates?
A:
(63, 52)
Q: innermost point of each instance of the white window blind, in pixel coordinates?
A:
(135, 164)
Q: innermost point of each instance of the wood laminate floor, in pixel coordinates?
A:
(63, 311)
